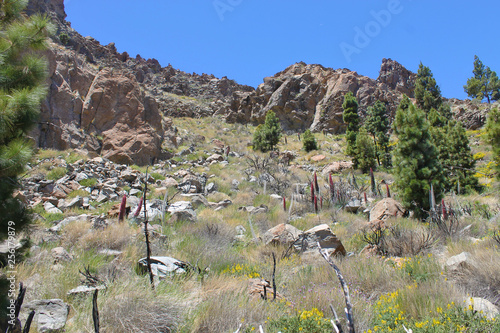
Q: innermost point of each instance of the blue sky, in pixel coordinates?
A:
(247, 40)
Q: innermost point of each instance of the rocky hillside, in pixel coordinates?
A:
(110, 104)
(226, 225)
(310, 96)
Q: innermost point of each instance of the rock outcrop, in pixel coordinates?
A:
(112, 105)
(472, 114)
(102, 111)
(116, 105)
(311, 96)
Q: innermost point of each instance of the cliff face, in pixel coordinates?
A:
(112, 104)
(311, 96)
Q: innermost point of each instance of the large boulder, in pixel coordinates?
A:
(326, 238)
(182, 211)
(50, 314)
(283, 233)
(386, 208)
(483, 306)
(460, 262)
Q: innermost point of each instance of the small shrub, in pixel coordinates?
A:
(157, 176)
(56, 173)
(479, 156)
(305, 321)
(47, 153)
(88, 182)
(309, 141)
(81, 193)
(64, 38)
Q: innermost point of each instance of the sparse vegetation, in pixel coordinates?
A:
(398, 279)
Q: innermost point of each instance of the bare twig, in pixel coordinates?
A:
(90, 280)
(345, 288)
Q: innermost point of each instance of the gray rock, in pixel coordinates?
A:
(107, 191)
(128, 176)
(211, 187)
(111, 253)
(102, 198)
(199, 200)
(74, 203)
(461, 261)
(326, 238)
(281, 234)
(483, 306)
(81, 176)
(66, 221)
(134, 191)
(60, 254)
(187, 215)
(179, 206)
(235, 184)
(215, 158)
(51, 209)
(240, 230)
(164, 266)
(254, 210)
(50, 314)
(353, 206)
(221, 204)
(84, 290)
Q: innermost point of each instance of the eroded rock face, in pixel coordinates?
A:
(472, 114)
(102, 111)
(311, 96)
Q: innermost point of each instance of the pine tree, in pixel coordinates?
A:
(267, 136)
(365, 151)
(351, 118)
(427, 92)
(22, 77)
(309, 141)
(415, 159)
(493, 136)
(377, 124)
(456, 158)
(484, 84)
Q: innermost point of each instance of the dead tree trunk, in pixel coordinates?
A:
(146, 233)
(95, 311)
(274, 275)
(345, 288)
(15, 323)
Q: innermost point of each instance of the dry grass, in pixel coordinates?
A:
(226, 304)
(115, 236)
(483, 278)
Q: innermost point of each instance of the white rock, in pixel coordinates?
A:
(50, 314)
